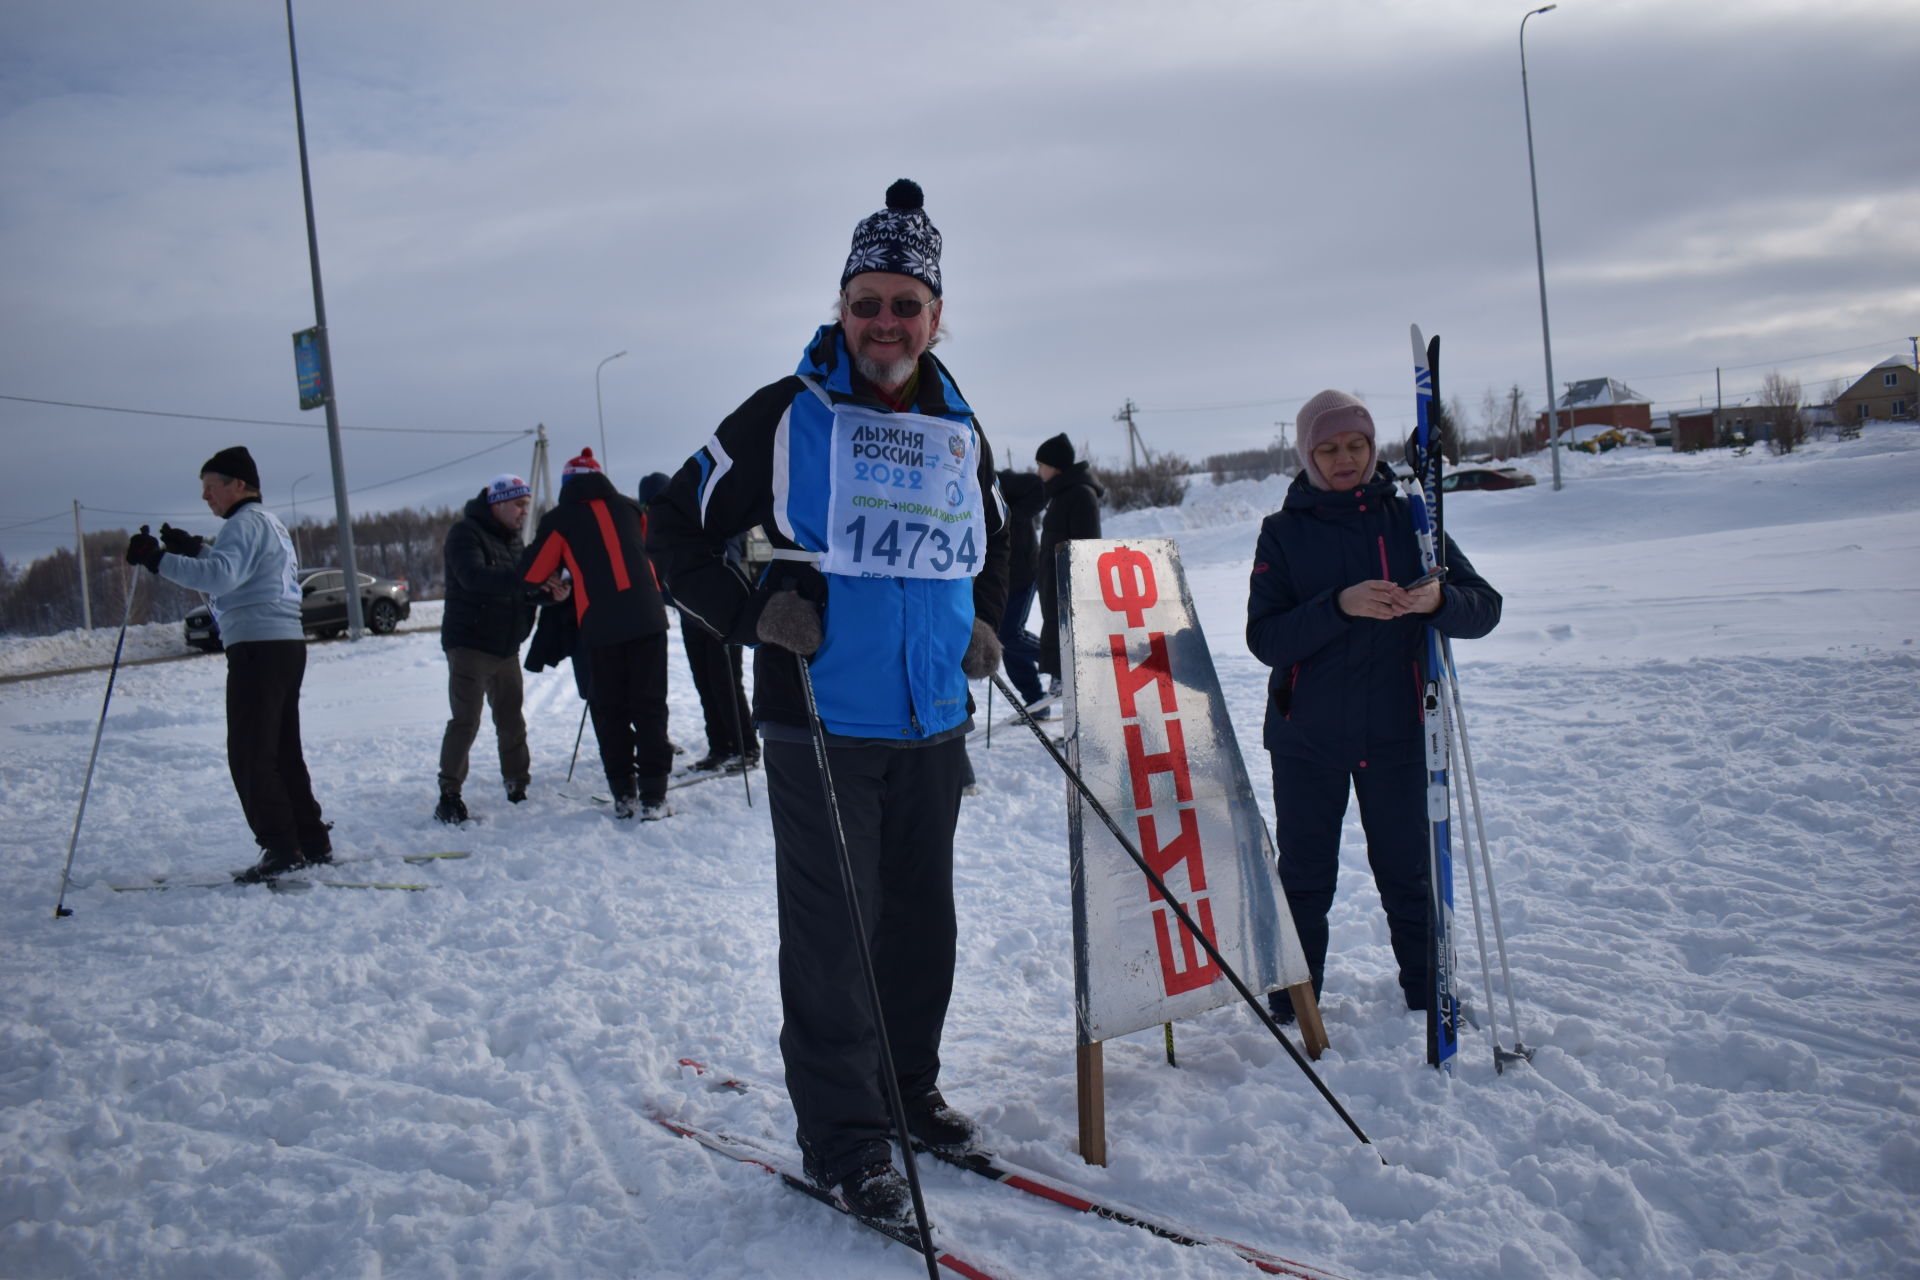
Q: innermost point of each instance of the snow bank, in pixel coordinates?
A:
(1694, 734)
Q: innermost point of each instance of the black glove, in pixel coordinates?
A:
(983, 652)
(144, 549)
(180, 542)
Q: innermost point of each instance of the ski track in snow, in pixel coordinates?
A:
(1694, 735)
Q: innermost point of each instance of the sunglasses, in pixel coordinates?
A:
(904, 308)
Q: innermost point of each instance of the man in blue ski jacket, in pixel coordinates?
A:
(248, 572)
(876, 486)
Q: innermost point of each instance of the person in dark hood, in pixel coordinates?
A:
(716, 668)
(1073, 511)
(1346, 644)
(251, 579)
(489, 611)
(596, 533)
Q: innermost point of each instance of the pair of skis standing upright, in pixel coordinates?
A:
(1445, 724)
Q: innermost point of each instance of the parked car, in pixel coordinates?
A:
(1485, 478)
(384, 605)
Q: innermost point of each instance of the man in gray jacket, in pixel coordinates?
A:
(248, 572)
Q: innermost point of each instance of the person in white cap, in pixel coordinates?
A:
(489, 611)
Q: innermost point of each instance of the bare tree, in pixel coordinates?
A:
(1819, 426)
(1158, 482)
(1780, 403)
(1277, 458)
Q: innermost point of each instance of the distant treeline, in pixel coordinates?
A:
(1506, 430)
(43, 597)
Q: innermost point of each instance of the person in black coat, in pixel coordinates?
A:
(1025, 495)
(595, 532)
(717, 672)
(489, 611)
(1073, 511)
(1346, 644)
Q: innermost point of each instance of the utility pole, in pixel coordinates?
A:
(343, 517)
(539, 479)
(1133, 435)
(80, 558)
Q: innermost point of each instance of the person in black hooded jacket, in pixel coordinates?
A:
(1025, 495)
(1073, 511)
(1346, 643)
(598, 534)
(489, 611)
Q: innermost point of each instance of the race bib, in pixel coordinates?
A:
(905, 497)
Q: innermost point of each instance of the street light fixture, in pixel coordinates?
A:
(598, 411)
(1539, 255)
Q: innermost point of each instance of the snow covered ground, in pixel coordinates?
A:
(1695, 733)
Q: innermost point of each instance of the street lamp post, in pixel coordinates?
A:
(1539, 255)
(598, 411)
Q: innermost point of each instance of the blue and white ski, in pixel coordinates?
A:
(1443, 1008)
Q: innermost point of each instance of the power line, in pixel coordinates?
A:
(268, 422)
(365, 488)
(1760, 364)
(1369, 396)
(21, 524)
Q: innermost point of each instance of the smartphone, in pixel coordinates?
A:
(1425, 578)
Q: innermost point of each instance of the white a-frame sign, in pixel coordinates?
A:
(1150, 736)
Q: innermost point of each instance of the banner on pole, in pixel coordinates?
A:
(306, 365)
(1151, 738)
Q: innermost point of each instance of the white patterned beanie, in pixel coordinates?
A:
(899, 238)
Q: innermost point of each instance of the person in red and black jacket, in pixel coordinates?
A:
(598, 535)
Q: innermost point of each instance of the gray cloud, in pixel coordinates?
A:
(1215, 204)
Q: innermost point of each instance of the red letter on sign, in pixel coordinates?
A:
(1126, 583)
(1130, 680)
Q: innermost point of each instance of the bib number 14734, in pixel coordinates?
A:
(909, 545)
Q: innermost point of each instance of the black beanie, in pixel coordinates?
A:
(1056, 453)
(236, 464)
(651, 485)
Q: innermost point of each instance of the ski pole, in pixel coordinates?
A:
(894, 1104)
(728, 655)
(989, 716)
(577, 735)
(60, 909)
(1186, 920)
(1520, 1051)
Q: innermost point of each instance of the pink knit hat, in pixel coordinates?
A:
(1320, 420)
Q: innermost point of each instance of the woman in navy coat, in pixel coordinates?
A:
(1345, 641)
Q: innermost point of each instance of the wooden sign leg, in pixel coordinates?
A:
(1306, 1012)
(1092, 1086)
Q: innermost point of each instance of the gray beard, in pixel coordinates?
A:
(888, 376)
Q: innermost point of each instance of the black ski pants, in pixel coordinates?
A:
(716, 671)
(1310, 804)
(898, 807)
(628, 699)
(263, 746)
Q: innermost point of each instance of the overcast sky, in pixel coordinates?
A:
(1214, 209)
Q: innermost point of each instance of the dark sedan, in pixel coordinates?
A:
(1484, 478)
(384, 605)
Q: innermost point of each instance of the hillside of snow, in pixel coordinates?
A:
(1694, 734)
